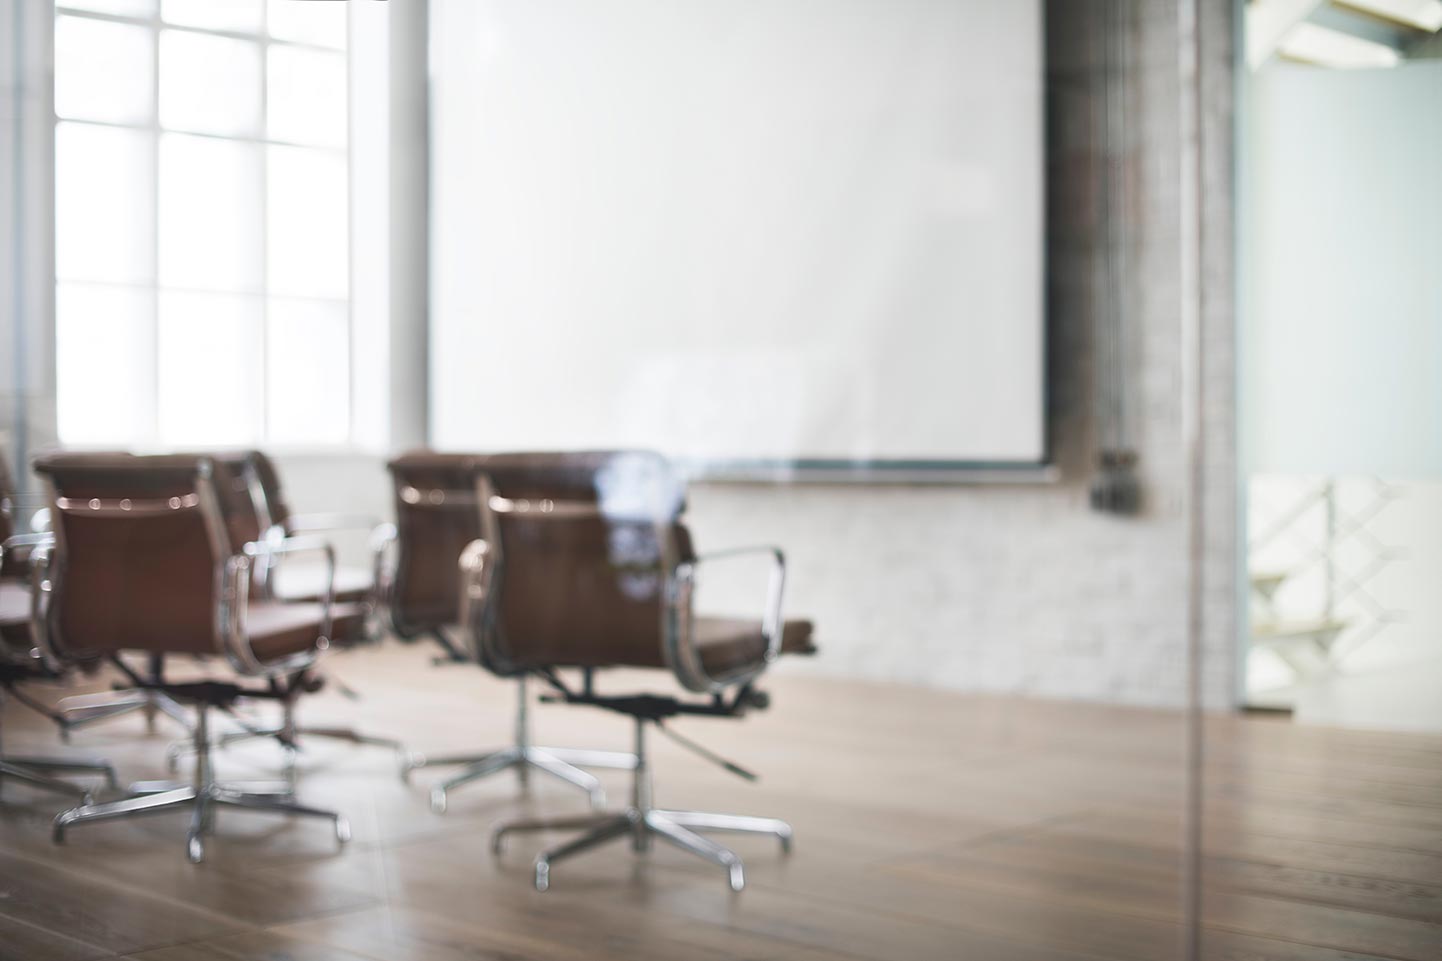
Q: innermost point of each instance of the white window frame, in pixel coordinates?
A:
(261, 37)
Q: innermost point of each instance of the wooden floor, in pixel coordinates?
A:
(928, 825)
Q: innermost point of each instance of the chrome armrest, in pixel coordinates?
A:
(383, 564)
(681, 646)
(42, 539)
(476, 569)
(40, 589)
(311, 523)
(235, 602)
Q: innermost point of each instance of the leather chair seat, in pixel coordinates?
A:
(731, 646)
(279, 628)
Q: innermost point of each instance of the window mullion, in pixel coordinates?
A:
(152, 382)
(264, 378)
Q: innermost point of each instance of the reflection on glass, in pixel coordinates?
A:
(237, 15)
(104, 207)
(103, 368)
(124, 8)
(306, 206)
(323, 24)
(307, 358)
(103, 70)
(209, 84)
(307, 102)
(208, 369)
(209, 213)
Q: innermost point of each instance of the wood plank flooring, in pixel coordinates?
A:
(928, 825)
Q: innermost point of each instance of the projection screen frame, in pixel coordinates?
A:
(904, 472)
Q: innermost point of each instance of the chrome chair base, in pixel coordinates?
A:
(202, 802)
(37, 772)
(84, 709)
(641, 821)
(202, 798)
(678, 827)
(562, 763)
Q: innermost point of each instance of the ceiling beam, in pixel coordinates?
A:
(1346, 20)
(1268, 21)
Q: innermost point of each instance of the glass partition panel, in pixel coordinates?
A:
(1324, 815)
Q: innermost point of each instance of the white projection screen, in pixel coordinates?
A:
(746, 233)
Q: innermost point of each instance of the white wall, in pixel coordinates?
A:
(1344, 323)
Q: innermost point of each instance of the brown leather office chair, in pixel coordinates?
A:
(21, 662)
(561, 580)
(82, 710)
(436, 517)
(249, 505)
(143, 563)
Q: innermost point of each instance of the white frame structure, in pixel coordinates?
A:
(261, 37)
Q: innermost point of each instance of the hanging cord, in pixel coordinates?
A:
(708, 754)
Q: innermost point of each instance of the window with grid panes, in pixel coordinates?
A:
(202, 241)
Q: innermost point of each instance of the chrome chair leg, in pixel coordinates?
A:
(580, 823)
(255, 801)
(688, 840)
(60, 765)
(125, 807)
(583, 757)
(486, 766)
(25, 775)
(547, 761)
(200, 824)
(521, 759)
(82, 710)
(701, 821)
(613, 827)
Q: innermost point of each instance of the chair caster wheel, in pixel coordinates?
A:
(438, 802)
(194, 850)
(543, 875)
(342, 830)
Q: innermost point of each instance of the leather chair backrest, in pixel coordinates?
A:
(436, 517)
(274, 495)
(7, 501)
(245, 508)
(139, 549)
(582, 546)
